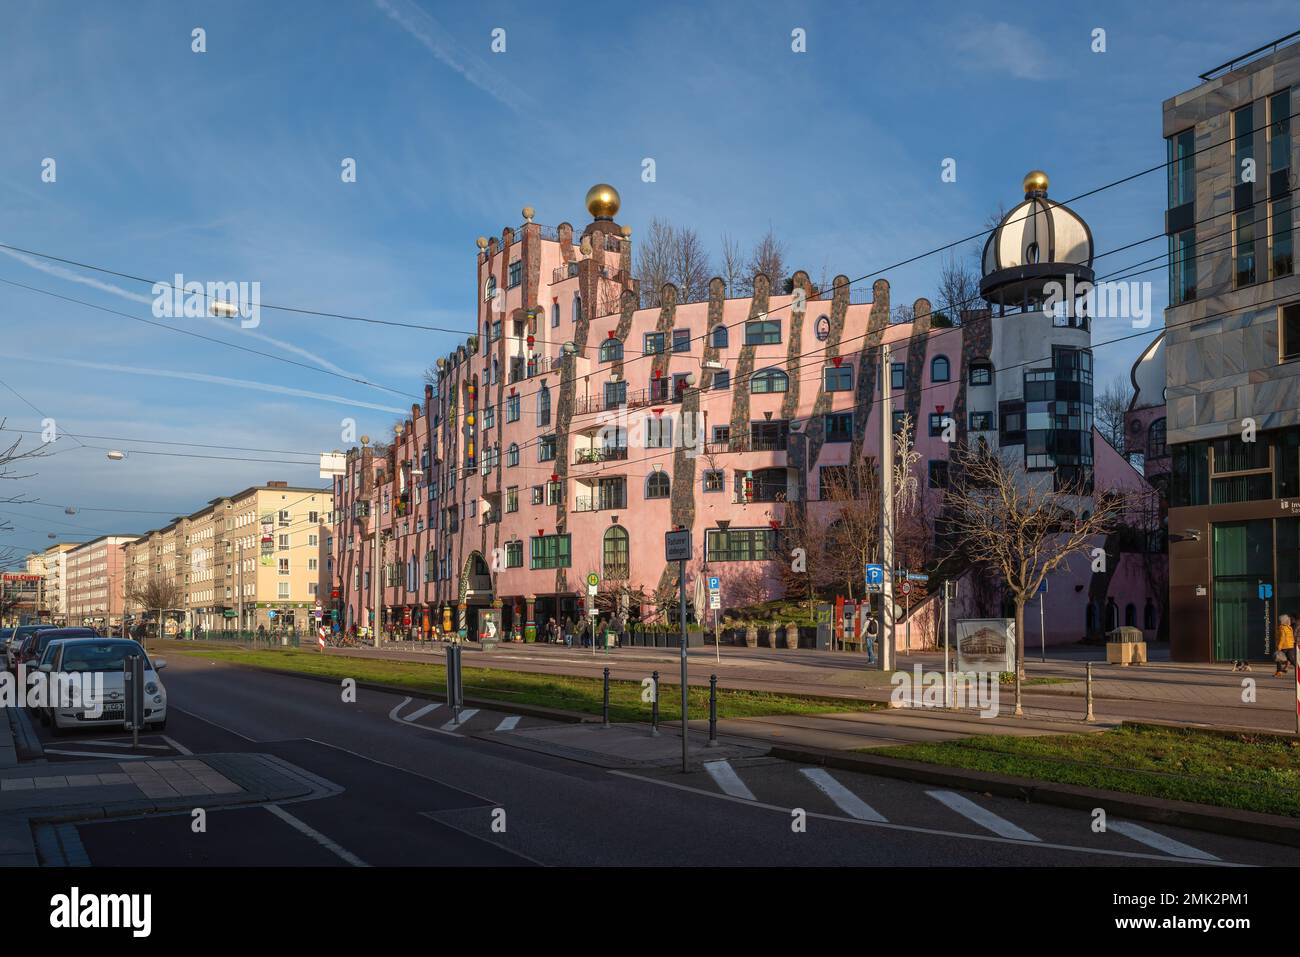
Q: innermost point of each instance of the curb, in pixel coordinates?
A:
(527, 710)
(1220, 730)
(1251, 825)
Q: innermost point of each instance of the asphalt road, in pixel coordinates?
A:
(421, 792)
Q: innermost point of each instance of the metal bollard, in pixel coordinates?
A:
(713, 711)
(605, 723)
(1089, 716)
(654, 705)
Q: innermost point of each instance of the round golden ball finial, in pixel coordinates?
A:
(481, 242)
(1035, 182)
(602, 201)
(627, 232)
(528, 214)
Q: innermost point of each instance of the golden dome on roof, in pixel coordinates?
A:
(602, 201)
(481, 242)
(1035, 182)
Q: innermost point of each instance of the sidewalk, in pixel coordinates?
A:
(1205, 694)
(34, 795)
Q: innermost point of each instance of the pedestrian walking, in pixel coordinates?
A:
(1285, 645)
(552, 631)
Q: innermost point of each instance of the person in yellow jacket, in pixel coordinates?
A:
(1285, 645)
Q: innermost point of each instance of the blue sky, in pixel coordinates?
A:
(225, 165)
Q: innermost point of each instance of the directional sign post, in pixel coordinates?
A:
(1266, 596)
(715, 606)
(677, 548)
(1042, 628)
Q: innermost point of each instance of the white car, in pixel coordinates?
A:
(103, 656)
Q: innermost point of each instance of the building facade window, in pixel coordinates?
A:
(739, 544)
(1288, 318)
(652, 343)
(516, 273)
(681, 340)
(838, 426)
(514, 554)
(555, 315)
(512, 455)
(1244, 249)
(940, 371)
(768, 380)
(763, 332)
(1281, 239)
(577, 308)
(981, 373)
(838, 378)
(898, 376)
(615, 557)
(981, 421)
(719, 336)
(512, 408)
(544, 406)
(658, 485)
(611, 350)
(546, 448)
(715, 480)
(1156, 447)
(722, 379)
(549, 551)
(615, 394)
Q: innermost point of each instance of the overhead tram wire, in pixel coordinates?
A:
(220, 342)
(303, 311)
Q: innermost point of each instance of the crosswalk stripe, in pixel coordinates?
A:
(725, 777)
(419, 713)
(1159, 841)
(981, 816)
(844, 799)
(508, 724)
(464, 716)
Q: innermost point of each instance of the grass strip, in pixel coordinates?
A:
(568, 692)
(1241, 770)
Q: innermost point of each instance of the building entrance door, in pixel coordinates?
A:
(1243, 558)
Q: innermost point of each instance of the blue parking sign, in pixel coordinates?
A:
(714, 582)
(875, 574)
(1265, 591)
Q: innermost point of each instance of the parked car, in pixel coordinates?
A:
(34, 644)
(107, 656)
(14, 646)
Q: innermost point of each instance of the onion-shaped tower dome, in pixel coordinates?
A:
(1038, 242)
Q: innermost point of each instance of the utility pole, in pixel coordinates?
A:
(240, 590)
(681, 604)
(886, 513)
(374, 572)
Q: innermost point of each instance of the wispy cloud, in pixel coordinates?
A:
(1005, 48)
(205, 377)
(434, 37)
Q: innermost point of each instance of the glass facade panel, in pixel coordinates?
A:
(1242, 557)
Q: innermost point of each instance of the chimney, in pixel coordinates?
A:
(277, 484)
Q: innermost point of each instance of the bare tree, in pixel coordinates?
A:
(159, 593)
(731, 267)
(959, 289)
(1020, 525)
(1108, 410)
(768, 258)
(690, 266)
(654, 260)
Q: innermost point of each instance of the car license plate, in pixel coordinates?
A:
(114, 710)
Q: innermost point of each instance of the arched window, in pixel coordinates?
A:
(719, 336)
(555, 315)
(1149, 616)
(577, 307)
(512, 454)
(1156, 440)
(658, 485)
(611, 350)
(1130, 615)
(939, 369)
(1112, 615)
(981, 372)
(544, 406)
(769, 380)
(616, 552)
(489, 288)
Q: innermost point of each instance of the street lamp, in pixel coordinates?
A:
(115, 455)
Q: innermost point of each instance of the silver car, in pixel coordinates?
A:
(73, 657)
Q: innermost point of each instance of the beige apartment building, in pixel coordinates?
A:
(255, 558)
(52, 565)
(95, 581)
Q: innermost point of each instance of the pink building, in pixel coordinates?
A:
(576, 428)
(95, 581)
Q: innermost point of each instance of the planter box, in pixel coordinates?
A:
(1126, 652)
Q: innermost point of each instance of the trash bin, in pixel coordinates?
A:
(1124, 646)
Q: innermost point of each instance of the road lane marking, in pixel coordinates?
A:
(180, 748)
(404, 702)
(215, 724)
(844, 799)
(915, 829)
(508, 724)
(315, 835)
(981, 816)
(1159, 841)
(101, 754)
(123, 744)
(725, 777)
(457, 722)
(419, 713)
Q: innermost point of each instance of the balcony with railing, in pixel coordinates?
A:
(598, 454)
(591, 404)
